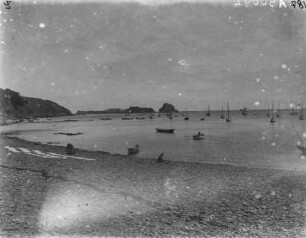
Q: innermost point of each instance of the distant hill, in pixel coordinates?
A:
(118, 110)
(13, 105)
(167, 108)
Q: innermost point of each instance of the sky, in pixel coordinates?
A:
(99, 55)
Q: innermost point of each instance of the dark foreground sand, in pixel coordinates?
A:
(120, 196)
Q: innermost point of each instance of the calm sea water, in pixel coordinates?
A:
(247, 141)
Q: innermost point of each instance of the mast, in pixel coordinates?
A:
(208, 111)
(272, 120)
(301, 117)
(228, 119)
(278, 110)
(222, 113)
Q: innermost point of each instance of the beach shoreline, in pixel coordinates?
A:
(131, 196)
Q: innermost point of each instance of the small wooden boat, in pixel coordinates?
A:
(302, 148)
(134, 150)
(186, 118)
(169, 131)
(202, 119)
(127, 118)
(198, 136)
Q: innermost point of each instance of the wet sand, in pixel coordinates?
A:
(116, 195)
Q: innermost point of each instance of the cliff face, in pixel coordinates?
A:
(13, 105)
(167, 108)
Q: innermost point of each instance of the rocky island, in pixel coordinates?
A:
(167, 108)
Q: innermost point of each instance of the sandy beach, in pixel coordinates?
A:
(96, 194)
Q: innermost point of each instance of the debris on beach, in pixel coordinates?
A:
(160, 158)
(134, 150)
(70, 150)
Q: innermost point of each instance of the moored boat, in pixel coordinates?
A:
(198, 136)
(169, 131)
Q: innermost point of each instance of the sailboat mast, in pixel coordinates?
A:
(272, 109)
(227, 109)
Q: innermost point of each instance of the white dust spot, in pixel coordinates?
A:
(273, 193)
(284, 66)
(275, 77)
(182, 62)
(258, 80)
(169, 59)
(66, 50)
(257, 103)
(42, 25)
(53, 84)
(302, 157)
(229, 18)
(263, 137)
(298, 143)
(304, 135)
(180, 94)
(273, 144)
(263, 90)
